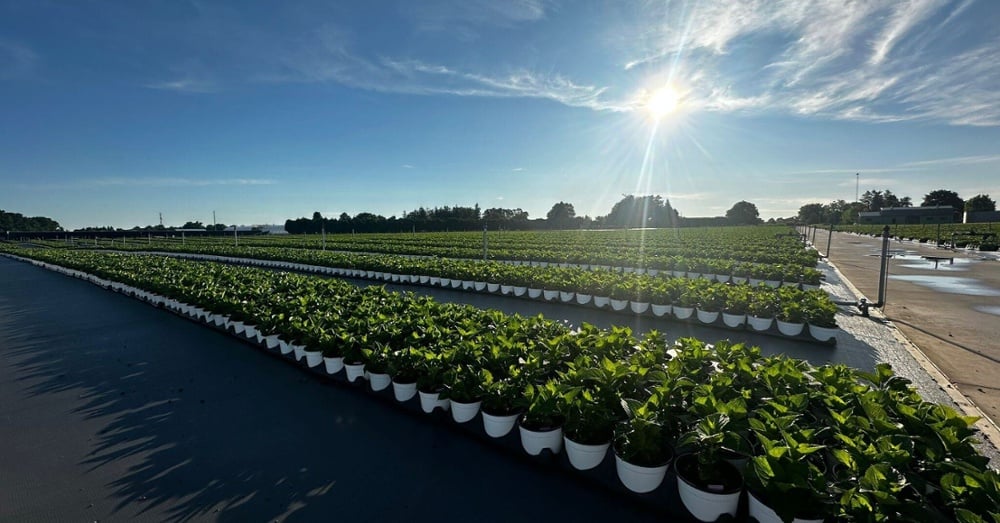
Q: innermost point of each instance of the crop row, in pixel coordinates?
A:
(742, 303)
(818, 441)
(655, 249)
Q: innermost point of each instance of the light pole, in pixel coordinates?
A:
(857, 186)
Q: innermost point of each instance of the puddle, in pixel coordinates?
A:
(936, 263)
(989, 309)
(949, 284)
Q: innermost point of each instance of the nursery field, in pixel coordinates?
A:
(811, 440)
(980, 236)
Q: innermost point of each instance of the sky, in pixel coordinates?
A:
(112, 113)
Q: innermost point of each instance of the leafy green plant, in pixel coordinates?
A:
(641, 438)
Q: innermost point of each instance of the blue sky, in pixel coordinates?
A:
(113, 112)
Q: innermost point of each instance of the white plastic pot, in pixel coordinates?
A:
(601, 301)
(639, 307)
(506, 289)
(464, 412)
(272, 341)
(707, 317)
(534, 442)
(300, 351)
(354, 371)
(519, 291)
(765, 514)
(492, 287)
(660, 310)
(550, 295)
(585, 457)
(314, 358)
(468, 285)
(618, 305)
(683, 313)
(534, 293)
(733, 320)
(704, 505)
(583, 299)
(822, 333)
(479, 285)
(286, 347)
(759, 324)
(432, 400)
(789, 328)
(498, 426)
(455, 283)
(379, 381)
(333, 365)
(565, 297)
(638, 478)
(404, 391)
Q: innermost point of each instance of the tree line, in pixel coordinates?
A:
(632, 211)
(840, 211)
(12, 221)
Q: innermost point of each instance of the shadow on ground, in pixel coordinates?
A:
(117, 411)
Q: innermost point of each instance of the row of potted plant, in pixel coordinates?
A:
(818, 442)
(738, 251)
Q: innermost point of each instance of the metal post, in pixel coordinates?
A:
(323, 229)
(814, 234)
(829, 240)
(937, 243)
(236, 236)
(484, 242)
(884, 269)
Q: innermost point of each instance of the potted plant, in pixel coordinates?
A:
(589, 426)
(402, 365)
(430, 381)
(541, 423)
(820, 315)
(734, 312)
(708, 485)
(377, 366)
(464, 386)
(763, 306)
(791, 318)
(642, 452)
(354, 356)
(784, 481)
(500, 404)
(711, 300)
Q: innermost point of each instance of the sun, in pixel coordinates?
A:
(662, 102)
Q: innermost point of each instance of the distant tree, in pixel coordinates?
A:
(945, 197)
(641, 211)
(743, 213)
(873, 200)
(812, 213)
(561, 215)
(980, 203)
(193, 225)
(12, 221)
(849, 212)
(217, 227)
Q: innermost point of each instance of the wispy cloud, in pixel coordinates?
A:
(959, 160)
(878, 60)
(185, 85)
(16, 59)
(464, 17)
(407, 166)
(517, 169)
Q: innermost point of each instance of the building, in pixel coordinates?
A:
(908, 215)
(982, 217)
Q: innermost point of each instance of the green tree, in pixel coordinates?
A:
(980, 203)
(811, 213)
(193, 225)
(561, 214)
(945, 197)
(743, 213)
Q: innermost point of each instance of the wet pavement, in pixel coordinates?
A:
(946, 302)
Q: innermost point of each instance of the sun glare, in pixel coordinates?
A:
(662, 102)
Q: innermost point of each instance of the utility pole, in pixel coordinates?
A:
(161, 219)
(857, 186)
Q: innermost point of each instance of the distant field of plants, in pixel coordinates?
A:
(982, 236)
